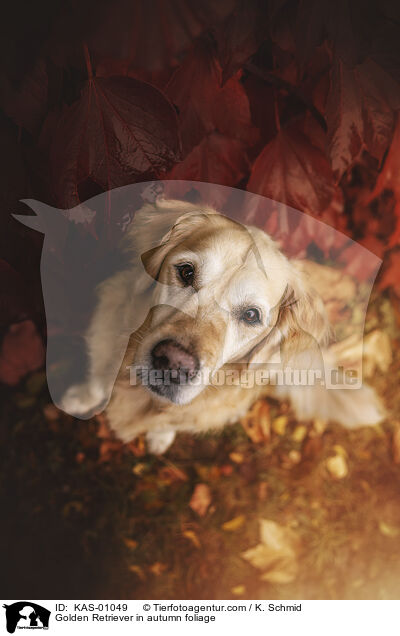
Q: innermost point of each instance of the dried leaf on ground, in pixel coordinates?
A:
(22, 351)
(337, 466)
(192, 536)
(279, 424)
(388, 530)
(234, 524)
(201, 499)
(257, 422)
(157, 568)
(277, 553)
(377, 352)
(136, 569)
(335, 287)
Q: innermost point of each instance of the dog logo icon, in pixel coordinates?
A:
(26, 615)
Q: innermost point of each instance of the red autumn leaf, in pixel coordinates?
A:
(241, 34)
(360, 112)
(22, 351)
(308, 230)
(389, 179)
(391, 272)
(344, 117)
(148, 35)
(152, 35)
(348, 26)
(14, 297)
(292, 170)
(356, 263)
(201, 499)
(193, 88)
(204, 105)
(119, 131)
(217, 159)
(381, 97)
(121, 68)
(232, 115)
(26, 104)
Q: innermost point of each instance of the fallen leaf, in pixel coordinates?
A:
(257, 422)
(279, 424)
(377, 352)
(388, 530)
(138, 446)
(192, 536)
(234, 524)
(139, 468)
(226, 470)
(277, 553)
(201, 499)
(319, 426)
(137, 570)
(157, 568)
(51, 413)
(294, 456)
(299, 433)
(340, 450)
(22, 351)
(170, 474)
(238, 590)
(337, 466)
(237, 458)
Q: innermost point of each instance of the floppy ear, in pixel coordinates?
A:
(302, 318)
(158, 227)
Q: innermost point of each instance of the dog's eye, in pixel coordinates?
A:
(186, 273)
(251, 316)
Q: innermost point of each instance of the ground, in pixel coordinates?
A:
(86, 517)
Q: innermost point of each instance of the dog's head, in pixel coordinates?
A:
(221, 293)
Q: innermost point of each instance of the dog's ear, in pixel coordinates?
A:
(159, 227)
(302, 318)
(300, 330)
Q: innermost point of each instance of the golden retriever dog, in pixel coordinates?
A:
(205, 297)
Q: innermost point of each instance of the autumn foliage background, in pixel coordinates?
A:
(296, 100)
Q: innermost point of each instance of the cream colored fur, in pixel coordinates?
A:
(237, 266)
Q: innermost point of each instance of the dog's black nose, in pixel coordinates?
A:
(169, 355)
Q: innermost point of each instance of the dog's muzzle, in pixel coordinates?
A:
(177, 364)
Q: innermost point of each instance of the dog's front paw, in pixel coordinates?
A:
(159, 441)
(83, 400)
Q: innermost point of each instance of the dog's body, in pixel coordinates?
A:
(204, 294)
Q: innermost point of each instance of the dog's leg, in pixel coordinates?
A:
(158, 441)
